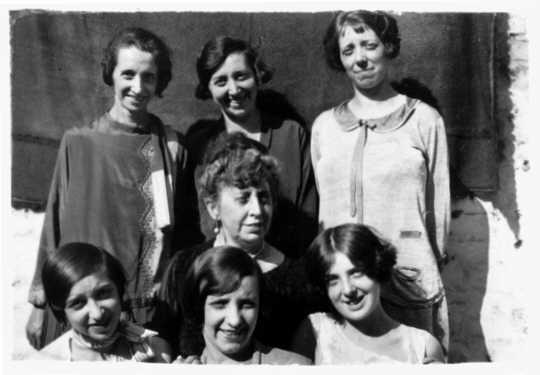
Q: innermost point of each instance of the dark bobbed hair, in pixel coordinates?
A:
(71, 263)
(383, 24)
(145, 41)
(214, 54)
(236, 160)
(219, 270)
(372, 255)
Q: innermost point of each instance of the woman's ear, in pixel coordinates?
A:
(212, 208)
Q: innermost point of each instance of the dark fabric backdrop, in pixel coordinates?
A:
(56, 77)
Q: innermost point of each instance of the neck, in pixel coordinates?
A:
(134, 119)
(379, 93)
(375, 325)
(250, 126)
(255, 250)
(212, 355)
(86, 342)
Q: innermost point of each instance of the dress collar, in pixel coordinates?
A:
(347, 121)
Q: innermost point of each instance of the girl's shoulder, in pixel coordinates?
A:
(58, 350)
(277, 356)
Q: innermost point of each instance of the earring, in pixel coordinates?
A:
(217, 226)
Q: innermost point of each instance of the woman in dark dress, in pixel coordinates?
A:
(231, 74)
(118, 183)
(239, 186)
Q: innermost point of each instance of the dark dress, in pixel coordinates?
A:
(286, 299)
(294, 223)
(102, 193)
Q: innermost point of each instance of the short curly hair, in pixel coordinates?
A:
(383, 24)
(214, 54)
(236, 160)
(145, 41)
(367, 251)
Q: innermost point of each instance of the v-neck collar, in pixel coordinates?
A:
(347, 120)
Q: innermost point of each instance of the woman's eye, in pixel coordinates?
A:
(75, 304)
(331, 281)
(218, 304)
(347, 51)
(372, 46)
(220, 82)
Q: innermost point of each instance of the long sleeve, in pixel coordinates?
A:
(187, 231)
(308, 200)
(51, 233)
(438, 183)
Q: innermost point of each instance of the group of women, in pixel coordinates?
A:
(204, 248)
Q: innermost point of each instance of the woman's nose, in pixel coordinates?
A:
(346, 287)
(233, 88)
(95, 311)
(233, 316)
(136, 85)
(255, 206)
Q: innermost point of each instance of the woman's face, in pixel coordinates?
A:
(245, 214)
(354, 295)
(230, 319)
(93, 307)
(234, 87)
(134, 79)
(363, 58)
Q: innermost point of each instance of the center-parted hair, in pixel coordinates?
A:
(371, 255)
(71, 263)
(214, 54)
(383, 25)
(145, 41)
(217, 271)
(236, 160)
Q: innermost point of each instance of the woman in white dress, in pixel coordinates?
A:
(354, 265)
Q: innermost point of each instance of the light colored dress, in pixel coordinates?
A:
(262, 355)
(390, 173)
(333, 347)
(136, 338)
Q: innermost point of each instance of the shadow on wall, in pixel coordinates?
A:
(465, 274)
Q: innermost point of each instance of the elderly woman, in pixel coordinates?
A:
(117, 183)
(222, 294)
(380, 158)
(231, 74)
(239, 185)
(353, 265)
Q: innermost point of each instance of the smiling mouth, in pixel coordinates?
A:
(233, 335)
(354, 302)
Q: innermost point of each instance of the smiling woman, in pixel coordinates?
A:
(353, 265)
(119, 183)
(222, 294)
(83, 285)
(231, 73)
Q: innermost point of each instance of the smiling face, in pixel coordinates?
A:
(134, 80)
(234, 87)
(93, 307)
(363, 57)
(353, 294)
(245, 215)
(230, 319)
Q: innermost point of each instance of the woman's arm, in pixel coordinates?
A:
(304, 340)
(438, 184)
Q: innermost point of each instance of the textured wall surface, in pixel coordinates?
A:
(487, 277)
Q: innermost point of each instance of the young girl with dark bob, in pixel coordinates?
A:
(84, 286)
(221, 295)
